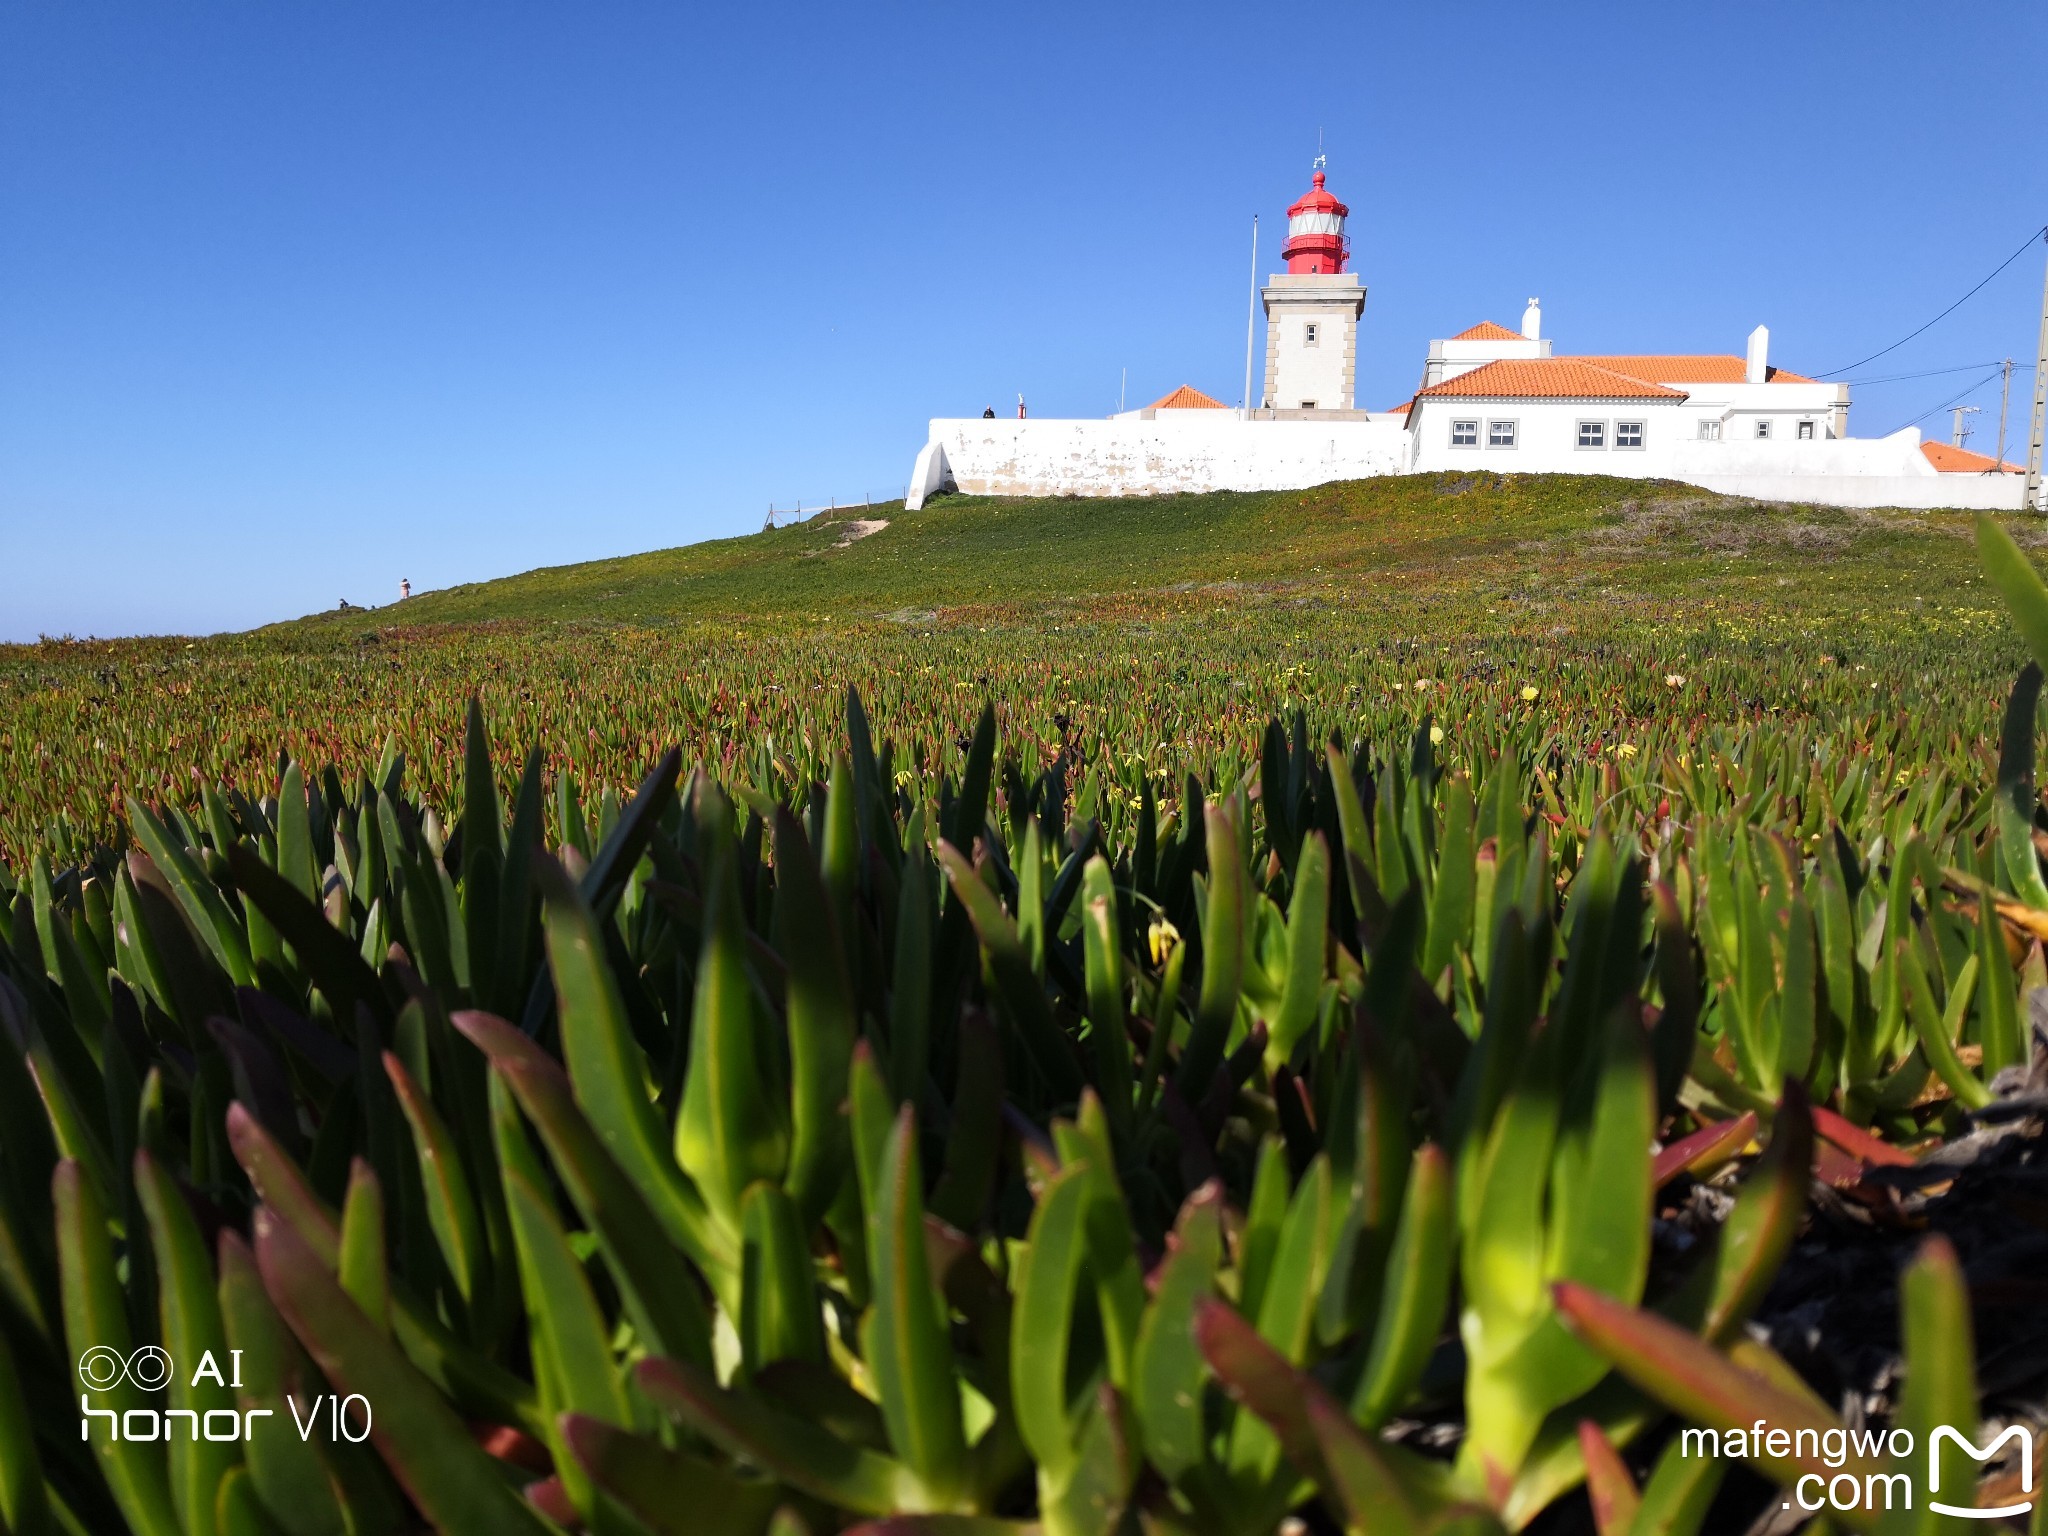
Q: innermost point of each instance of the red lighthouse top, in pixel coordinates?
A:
(1315, 233)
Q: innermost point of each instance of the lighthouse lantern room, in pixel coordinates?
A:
(1312, 311)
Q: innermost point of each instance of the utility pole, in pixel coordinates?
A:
(1961, 433)
(2004, 399)
(2032, 497)
(1251, 311)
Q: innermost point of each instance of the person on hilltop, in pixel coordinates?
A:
(404, 588)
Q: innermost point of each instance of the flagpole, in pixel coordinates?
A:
(1251, 312)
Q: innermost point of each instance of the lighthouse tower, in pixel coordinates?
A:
(1312, 311)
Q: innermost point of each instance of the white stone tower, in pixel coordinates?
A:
(1312, 311)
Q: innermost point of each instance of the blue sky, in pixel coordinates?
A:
(296, 300)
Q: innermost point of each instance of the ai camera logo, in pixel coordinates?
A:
(1982, 1454)
(150, 1369)
(104, 1369)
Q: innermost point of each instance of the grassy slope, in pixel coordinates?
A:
(1435, 534)
(1172, 626)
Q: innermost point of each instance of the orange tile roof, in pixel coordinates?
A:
(1486, 330)
(1548, 378)
(1692, 368)
(1951, 460)
(1187, 398)
(1402, 409)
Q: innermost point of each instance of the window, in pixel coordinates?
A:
(1628, 434)
(1308, 405)
(1763, 426)
(1464, 434)
(1500, 434)
(1592, 434)
(1710, 431)
(1308, 333)
(1806, 431)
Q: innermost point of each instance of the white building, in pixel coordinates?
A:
(1490, 398)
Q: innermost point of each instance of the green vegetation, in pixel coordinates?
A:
(1146, 637)
(1141, 1059)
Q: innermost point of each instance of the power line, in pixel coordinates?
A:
(1951, 400)
(1959, 303)
(1935, 373)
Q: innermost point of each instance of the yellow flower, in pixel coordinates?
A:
(1626, 749)
(1163, 938)
(1436, 735)
(1529, 693)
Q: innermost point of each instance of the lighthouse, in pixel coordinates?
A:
(1312, 310)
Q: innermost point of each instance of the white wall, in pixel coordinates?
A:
(1319, 372)
(1978, 493)
(1179, 451)
(1219, 451)
(1547, 439)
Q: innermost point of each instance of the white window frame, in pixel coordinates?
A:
(1311, 333)
(1806, 433)
(1710, 430)
(1763, 429)
(1513, 424)
(1599, 432)
(1471, 422)
(1641, 430)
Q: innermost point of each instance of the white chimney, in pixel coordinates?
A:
(1756, 370)
(1532, 321)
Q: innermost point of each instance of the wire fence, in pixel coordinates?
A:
(808, 507)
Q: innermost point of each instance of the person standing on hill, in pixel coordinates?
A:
(404, 588)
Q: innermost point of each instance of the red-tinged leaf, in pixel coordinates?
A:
(785, 1447)
(1356, 1476)
(661, 1295)
(484, 1388)
(1858, 1142)
(455, 1485)
(1608, 1483)
(672, 1493)
(1705, 1149)
(280, 1185)
(452, 1210)
(944, 1525)
(1696, 1381)
(1313, 1429)
(551, 1498)
(1831, 1165)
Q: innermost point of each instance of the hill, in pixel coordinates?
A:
(1155, 635)
(1564, 534)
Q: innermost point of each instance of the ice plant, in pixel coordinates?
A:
(801, 1141)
